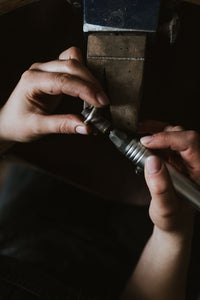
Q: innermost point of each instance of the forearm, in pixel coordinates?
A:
(161, 272)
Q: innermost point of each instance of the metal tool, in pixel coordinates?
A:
(137, 154)
(118, 15)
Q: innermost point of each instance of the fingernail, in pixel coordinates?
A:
(153, 164)
(146, 140)
(102, 98)
(81, 130)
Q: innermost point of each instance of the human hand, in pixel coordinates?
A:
(186, 143)
(167, 211)
(161, 271)
(28, 113)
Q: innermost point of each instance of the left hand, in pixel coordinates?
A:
(29, 112)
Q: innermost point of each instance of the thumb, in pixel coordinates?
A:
(164, 205)
(64, 124)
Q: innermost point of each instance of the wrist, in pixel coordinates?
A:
(177, 239)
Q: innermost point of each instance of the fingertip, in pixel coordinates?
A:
(102, 98)
(157, 176)
(146, 140)
(153, 164)
(83, 129)
(171, 128)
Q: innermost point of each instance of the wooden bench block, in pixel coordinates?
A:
(118, 59)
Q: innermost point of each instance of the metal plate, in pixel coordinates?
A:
(118, 15)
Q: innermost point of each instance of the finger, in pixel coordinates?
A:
(187, 143)
(37, 82)
(179, 141)
(151, 126)
(61, 124)
(72, 53)
(164, 201)
(171, 128)
(70, 66)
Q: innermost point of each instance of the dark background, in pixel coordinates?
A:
(39, 32)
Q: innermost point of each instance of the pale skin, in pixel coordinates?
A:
(28, 115)
(161, 272)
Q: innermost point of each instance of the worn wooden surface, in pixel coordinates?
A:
(10, 5)
(117, 60)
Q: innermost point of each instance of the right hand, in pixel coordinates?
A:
(168, 212)
(29, 112)
(185, 143)
(161, 272)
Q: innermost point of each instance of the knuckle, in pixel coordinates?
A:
(71, 63)
(161, 136)
(74, 51)
(71, 53)
(178, 128)
(63, 127)
(60, 79)
(159, 187)
(64, 54)
(166, 213)
(34, 66)
(193, 136)
(168, 128)
(26, 75)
